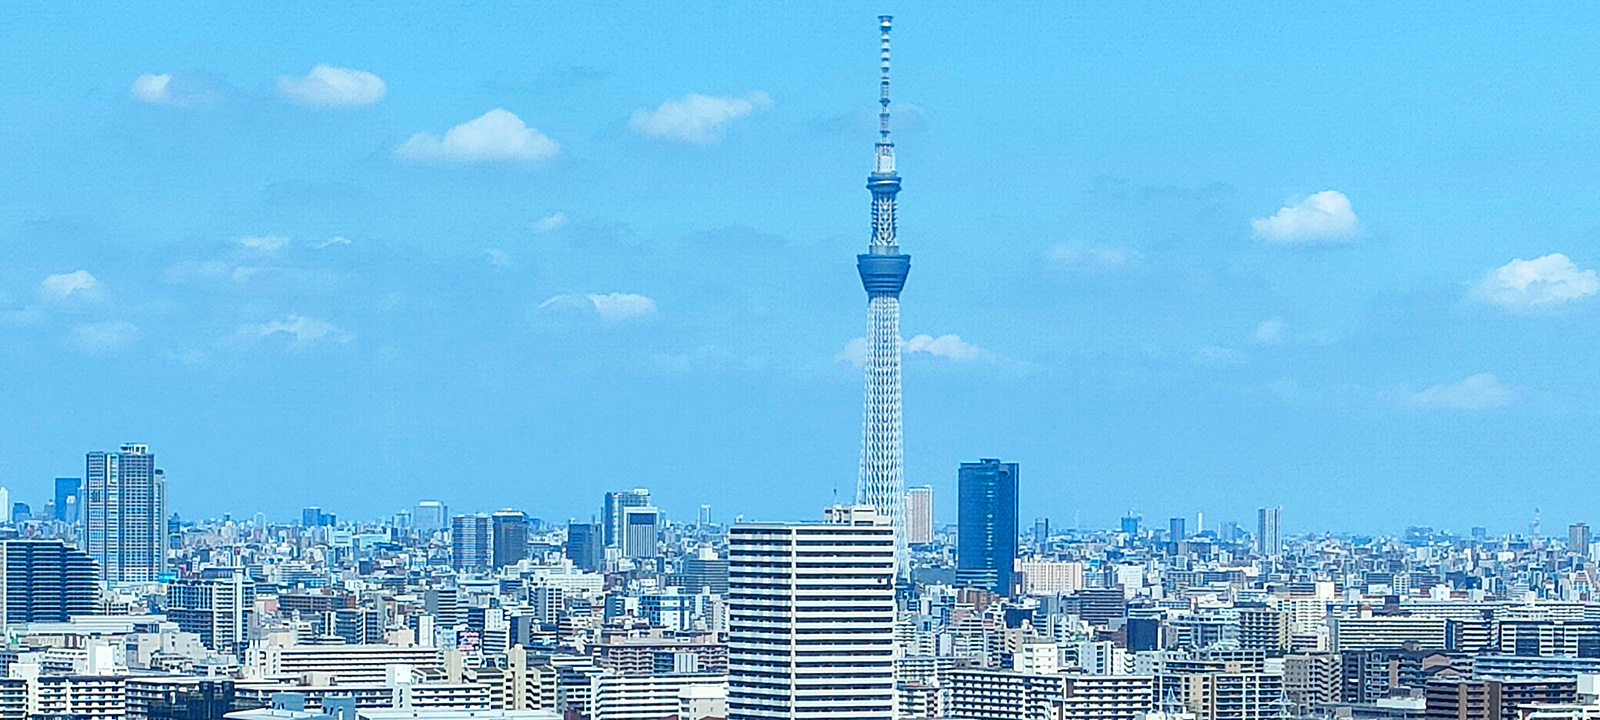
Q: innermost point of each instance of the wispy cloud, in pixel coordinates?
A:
(1476, 392)
(608, 306)
(1322, 218)
(495, 136)
(330, 86)
(1270, 332)
(264, 244)
(946, 347)
(696, 119)
(298, 332)
(152, 88)
(549, 223)
(498, 259)
(168, 89)
(105, 337)
(76, 285)
(1541, 282)
(1093, 257)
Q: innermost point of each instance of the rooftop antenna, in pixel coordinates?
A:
(885, 158)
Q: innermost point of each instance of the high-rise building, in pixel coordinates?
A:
(883, 269)
(67, 499)
(431, 516)
(125, 514)
(1269, 534)
(510, 537)
(471, 542)
(584, 547)
(611, 514)
(218, 609)
(1130, 524)
(986, 539)
(1177, 530)
(314, 517)
(640, 527)
(45, 581)
(811, 609)
(919, 515)
(5, 505)
(1578, 538)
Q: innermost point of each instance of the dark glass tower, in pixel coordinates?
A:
(45, 581)
(986, 549)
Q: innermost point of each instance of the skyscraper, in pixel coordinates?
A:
(510, 537)
(611, 514)
(919, 515)
(583, 546)
(797, 649)
(986, 541)
(68, 490)
(125, 514)
(1177, 530)
(431, 516)
(1269, 537)
(45, 581)
(640, 525)
(471, 540)
(883, 270)
(1578, 538)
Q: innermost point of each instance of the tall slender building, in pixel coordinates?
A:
(986, 536)
(883, 271)
(125, 514)
(919, 515)
(1269, 533)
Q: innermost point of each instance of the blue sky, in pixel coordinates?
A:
(1336, 258)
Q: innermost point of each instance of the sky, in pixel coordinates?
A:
(1172, 259)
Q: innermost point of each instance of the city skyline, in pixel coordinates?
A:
(1173, 292)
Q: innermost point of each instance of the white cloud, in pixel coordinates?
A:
(608, 306)
(948, 347)
(265, 244)
(1271, 332)
(1094, 257)
(300, 331)
(951, 347)
(1478, 392)
(151, 88)
(548, 223)
(500, 259)
(621, 306)
(331, 86)
(78, 284)
(335, 240)
(1218, 355)
(1544, 281)
(1325, 217)
(495, 136)
(104, 337)
(696, 119)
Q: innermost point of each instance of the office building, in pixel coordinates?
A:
(612, 513)
(811, 610)
(704, 571)
(218, 609)
(1130, 524)
(67, 498)
(640, 528)
(919, 515)
(510, 541)
(1269, 532)
(1578, 539)
(45, 581)
(125, 514)
(1177, 530)
(314, 517)
(471, 542)
(883, 269)
(430, 517)
(986, 542)
(584, 546)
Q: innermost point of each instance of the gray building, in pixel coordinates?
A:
(510, 529)
(613, 513)
(125, 514)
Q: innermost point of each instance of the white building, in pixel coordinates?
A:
(811, 612)
(919, 515)
(649, 697)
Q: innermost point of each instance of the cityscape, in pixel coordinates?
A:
(974, 599)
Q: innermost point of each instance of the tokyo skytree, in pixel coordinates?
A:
(883, 271)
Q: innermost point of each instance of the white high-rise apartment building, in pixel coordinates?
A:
(125, 514)
(811, 611)
(919, 515)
